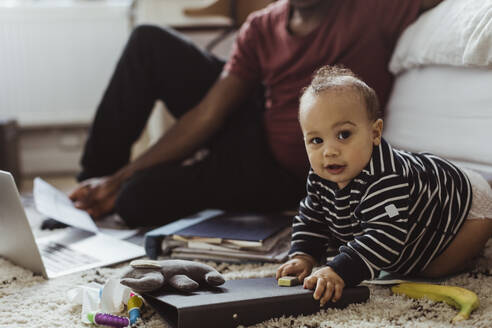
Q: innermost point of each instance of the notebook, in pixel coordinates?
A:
(243, 229)
(64, 251)
(252, 230)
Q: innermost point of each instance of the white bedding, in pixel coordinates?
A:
(456, 33)
(443, 110)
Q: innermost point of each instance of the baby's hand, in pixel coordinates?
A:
(327, 283)
(299, 266)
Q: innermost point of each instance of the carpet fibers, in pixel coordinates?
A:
(30, 301)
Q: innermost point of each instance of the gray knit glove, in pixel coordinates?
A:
(147, 275)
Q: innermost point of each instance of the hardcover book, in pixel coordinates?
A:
(248, 227)
(232, 230)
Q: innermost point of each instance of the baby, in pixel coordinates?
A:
(386, 209)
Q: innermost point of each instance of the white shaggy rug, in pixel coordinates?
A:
(30, 301)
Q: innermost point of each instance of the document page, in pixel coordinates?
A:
(55, 204)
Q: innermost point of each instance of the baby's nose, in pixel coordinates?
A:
(330, 151)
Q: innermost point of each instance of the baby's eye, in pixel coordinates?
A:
(316, 140)
(342, 135)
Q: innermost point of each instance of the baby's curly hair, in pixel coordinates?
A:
(340, 78)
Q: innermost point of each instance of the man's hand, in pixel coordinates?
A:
(328, 284)
(299, 266)
(96, 196)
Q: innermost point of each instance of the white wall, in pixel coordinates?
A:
(56, 58)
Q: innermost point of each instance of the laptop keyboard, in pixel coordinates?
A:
(58, 257)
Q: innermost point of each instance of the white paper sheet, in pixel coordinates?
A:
(114, 226)
(55, 204)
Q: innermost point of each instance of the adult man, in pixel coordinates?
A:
(256, 159)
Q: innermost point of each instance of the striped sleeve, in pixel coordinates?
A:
(383, 213)
(310, 233)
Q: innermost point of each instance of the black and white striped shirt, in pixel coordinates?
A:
(397, 215)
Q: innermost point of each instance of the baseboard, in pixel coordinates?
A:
(51, 150)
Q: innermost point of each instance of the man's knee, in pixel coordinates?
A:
(150, 34)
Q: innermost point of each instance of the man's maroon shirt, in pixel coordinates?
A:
(359, 34)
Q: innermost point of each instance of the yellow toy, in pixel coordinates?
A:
(463, 299)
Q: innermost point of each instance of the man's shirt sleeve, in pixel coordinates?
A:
(383, 213)
(395, 16)
(244, 61)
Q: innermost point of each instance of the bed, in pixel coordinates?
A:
(442, 98)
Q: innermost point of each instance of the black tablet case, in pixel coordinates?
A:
(242, 302)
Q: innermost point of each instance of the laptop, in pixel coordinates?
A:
(62, 252)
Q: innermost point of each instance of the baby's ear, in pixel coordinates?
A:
(377, 131)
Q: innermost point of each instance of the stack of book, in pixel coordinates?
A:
(220, 236)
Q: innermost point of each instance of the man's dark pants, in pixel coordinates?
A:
(238, 174)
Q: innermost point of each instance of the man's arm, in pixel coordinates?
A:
(196, 126)
(184, 137)
(428, 4)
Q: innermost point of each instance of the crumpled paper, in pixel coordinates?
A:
(108, 298)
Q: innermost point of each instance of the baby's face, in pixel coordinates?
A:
(338, 135)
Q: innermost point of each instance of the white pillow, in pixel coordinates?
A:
(456, 33)
(443, 110)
